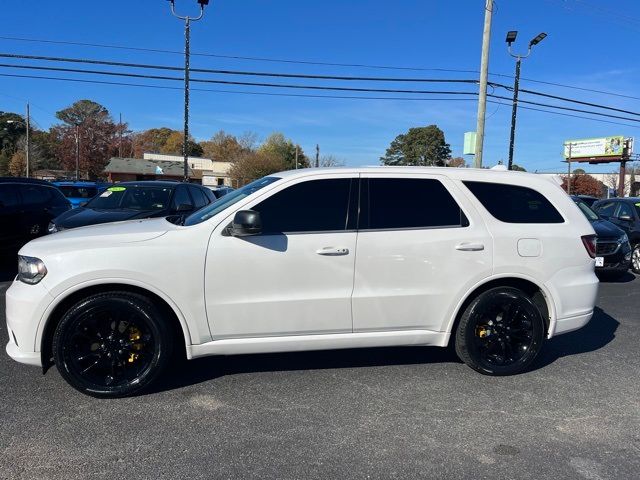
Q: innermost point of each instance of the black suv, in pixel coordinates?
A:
(26, 208)
(625, 214)
(135, 200)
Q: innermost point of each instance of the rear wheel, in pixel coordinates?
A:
(112, 344)
(500, 332)
(635, 259)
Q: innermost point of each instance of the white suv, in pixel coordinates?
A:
(493, 261)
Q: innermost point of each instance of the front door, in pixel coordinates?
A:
(296, 278)
(420, 243)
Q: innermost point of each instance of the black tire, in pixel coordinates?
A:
(500, 332)
(635, 259)
(112, 344)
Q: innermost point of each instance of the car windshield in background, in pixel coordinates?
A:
(70, 191)
(590, 214)
(228, 200)
(133, 198)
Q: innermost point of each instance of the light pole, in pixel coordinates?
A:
(77, 151)
(511, 37)
(187, 34)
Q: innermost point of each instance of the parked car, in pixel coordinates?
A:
(588, 199)
(135, 200)
(220, 190)
(625, 214)
(613, 251)
(80, 192)
(494, 262)
(26, 207)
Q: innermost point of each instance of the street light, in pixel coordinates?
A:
(187, 34)
(511, 38)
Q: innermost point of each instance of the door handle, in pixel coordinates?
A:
(333, 251)
(469, 247)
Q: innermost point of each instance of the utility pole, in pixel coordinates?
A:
(187, 35)
(511, 37)
(569, 170)
(77, 151)
(317, 155)
(120, 139)
(484, 74)
(28, 149)
(296, 157)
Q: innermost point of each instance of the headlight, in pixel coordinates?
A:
(52, 228)
(30, 269)
(624, 238)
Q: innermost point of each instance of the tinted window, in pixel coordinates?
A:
(407, 203)
(34, 194)
(57, 197)
(514, 204)
(624, 209)
(70, 191)
(605, 209)
(8, 196)
(198, 197)
(313, 206)
(180, 197)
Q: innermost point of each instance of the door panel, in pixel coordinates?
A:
(411, 278)
(285, 283)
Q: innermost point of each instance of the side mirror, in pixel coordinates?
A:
(184, 207)
(245, 223)
(625, 218)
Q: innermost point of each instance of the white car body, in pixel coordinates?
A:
(285, 293)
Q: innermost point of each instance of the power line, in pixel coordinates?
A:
(229, 82)
(239, 92)
(305, 62)
(304, 76)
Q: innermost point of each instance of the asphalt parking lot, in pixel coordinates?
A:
(374, 413)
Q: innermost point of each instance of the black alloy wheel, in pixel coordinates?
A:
(112, 344)
(500, 333)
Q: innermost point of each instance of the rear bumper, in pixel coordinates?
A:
(569, 324)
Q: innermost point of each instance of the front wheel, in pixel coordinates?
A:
(112, 344)
(500, 332)
(635, 259)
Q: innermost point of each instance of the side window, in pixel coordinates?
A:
(181, 196)
(624, 209)
(33, 194)
(57, 197)
(514, 204)
(311, 206)
(395, 203)
(8, 196)
(198, 197)
(606, 209)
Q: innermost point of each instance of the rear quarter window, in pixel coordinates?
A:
(513, 203)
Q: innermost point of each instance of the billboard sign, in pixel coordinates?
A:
(595, 147)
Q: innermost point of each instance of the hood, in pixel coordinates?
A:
(81, 216)
(605, 229)
(97, 236)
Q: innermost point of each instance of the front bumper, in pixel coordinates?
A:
(619, 261)
(26, 305)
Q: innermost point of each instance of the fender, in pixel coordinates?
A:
(112, 280)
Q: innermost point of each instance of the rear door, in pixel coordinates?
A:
(10, 223)
(420, 243)
(36, 209)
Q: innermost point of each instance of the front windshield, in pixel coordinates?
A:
(132, 198)
(590, 214)
(228, 200)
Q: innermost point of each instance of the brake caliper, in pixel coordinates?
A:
(134, 337)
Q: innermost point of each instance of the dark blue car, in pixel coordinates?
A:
(80, 192)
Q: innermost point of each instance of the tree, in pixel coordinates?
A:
(252, 165)
(97, 137)
(517, 168)
(457, 162)
(222, 147)
(18, 164)
(419, 146)
(173, 145)
(584, 185)
(152, 140)
(331, 161)
(579, 171)
(278, 146)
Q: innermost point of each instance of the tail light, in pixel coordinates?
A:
(589, 242)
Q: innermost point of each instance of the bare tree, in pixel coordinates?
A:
(331, 161)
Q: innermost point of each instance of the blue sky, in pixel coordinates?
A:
(591, 44)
